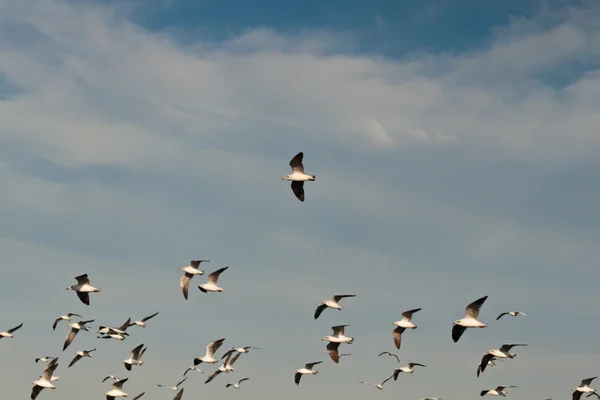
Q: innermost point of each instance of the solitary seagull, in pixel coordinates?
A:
(211, 285)
(403, 324)
(469, 320)
(83, 289)
(499, 391)
(80, 355)
(307, 370)
(44, 359)
(192, 369)
(66, 317)
(135, 357)
(111, 377)
(298, 177)
(117, 390)
(245, 349)
(511, 313)
(333, 303)
(75, 328)
(142, 322)
(237, 385)
(44, 381)
(584, 387)
(173, 388)
(338, 335)
(189, 272)
(8, 333)
(504, 351)
(211, 349)
(179, 395)
(377, 385)
(408, 369)
(389, 354)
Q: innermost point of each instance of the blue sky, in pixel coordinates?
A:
(455, 148)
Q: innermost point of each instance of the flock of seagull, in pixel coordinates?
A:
(83, 288)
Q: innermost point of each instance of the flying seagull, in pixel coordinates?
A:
(298, 177)
(44, 381)
(377, 385)
(66, 317)
(403, 324)
(44, 359)
(389, 354)
(408, 369)
(111, 377)
(237, 385)
(135, 357)
(117, 390)
(83, 289)
(75, 328)
(333, 303)
(9, 333)
(119, 333)
(211, 285)
(226, 366)
(245, 349)
(487, 360)
(511, 313)
(142, 322)
(189, 272)
(307, 370)
(584, 387)
(211, 349)
(338, 335)
(80, 355)
(469, 320)
(499, 391)
(504, 351)
(173, 388)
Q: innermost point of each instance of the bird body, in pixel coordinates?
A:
(307, 370)
(9, 333)
(83, 289)
(469, 320)
(332, 303)
(237, 384)
(135, 357)
(211, 349)
(298, 177)
(211, 285)
(338, 335)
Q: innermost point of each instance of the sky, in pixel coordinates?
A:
(455, 147)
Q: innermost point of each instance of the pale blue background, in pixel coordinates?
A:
(455, 145)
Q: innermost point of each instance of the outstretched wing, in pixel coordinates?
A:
(397, 335)
(457, 332)
(319, 310)
(474, 307)
(332, 349)
(501, 315)
(296, 163)
(298, 189)
(214, 277)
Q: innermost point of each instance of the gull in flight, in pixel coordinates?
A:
(389, 354)
(511, 313)
(237, 385)
(338, 335)
(377, 385)
(226, 366)
(135, 357)
(298, 177)
(9, 333)
(408, 369)
(307, 370)
(245, 349)
(499, 391)
(66, 317)
(44, 359)
(83, 289)
(487, 360)
(75, 328)
(119, 333)
(584, 387)
(403, 324)
(333, 303)
(173, 388)
(211, 349)
(469, 320)
(117, 390)
(211, 285)
(80, 355)
(44, 381)
(189, 272)
(142, 322)
(111, 377)
(192, 369)
(504, 351)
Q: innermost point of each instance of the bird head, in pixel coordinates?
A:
(457, 322)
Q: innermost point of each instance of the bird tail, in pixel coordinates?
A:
(314, 177)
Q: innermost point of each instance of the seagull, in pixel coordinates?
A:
(135, 357)
(488, 359)
(192, 369)
(66, 317)
(117, 390)
(112, 335)
(8, 333)
(469, 320)
(389, 354)
(75, 327)
(332, 350)
(226, 366)
(408, 369)
(142, 322)
(211, 286)
(107, 330)
(237, 385)
(511, 313)
(499, 391)
(178, 396)
(333, 303)
(245, 349)
(44, 359)
(81, 354)
(44, 381)
(403, 324)
(83, 289)
(298, 177)
(111, 377)
(338, 335)
(307, 370)
(504, 351)
(189, 272)
(377, 385)
(584, 387)
(211, 349)
(173, 388)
